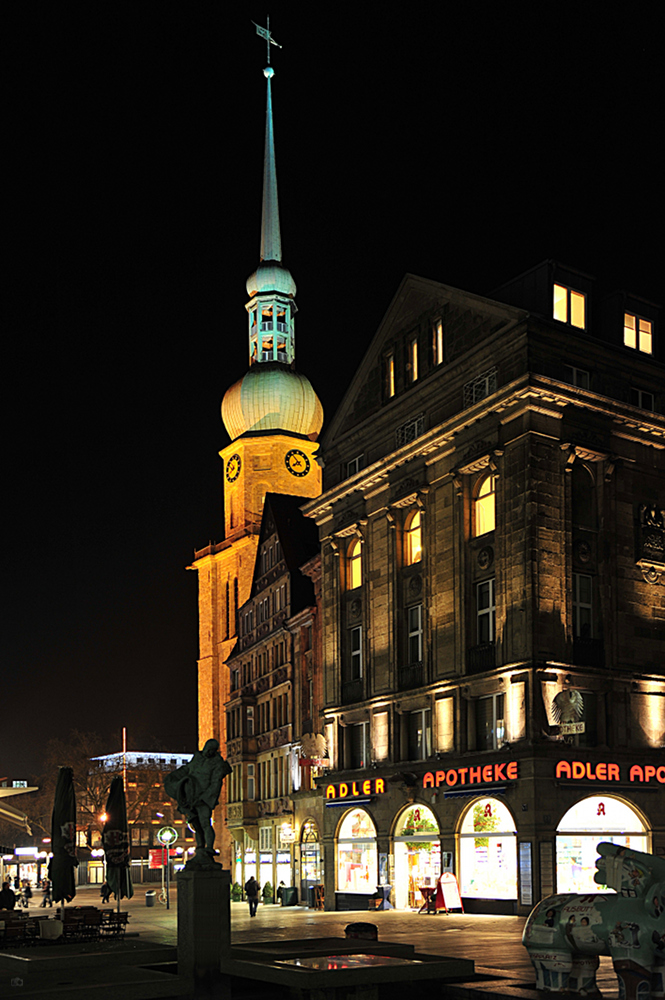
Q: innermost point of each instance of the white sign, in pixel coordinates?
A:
(568, 728)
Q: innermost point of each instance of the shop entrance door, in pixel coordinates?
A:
(417, 853)
(488, 852)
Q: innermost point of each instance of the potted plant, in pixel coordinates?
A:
(236, 892)
(266, 892)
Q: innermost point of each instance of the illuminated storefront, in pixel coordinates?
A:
(592, 820)
(417, 855)
(488, 851)
(311, 863)
(357, 860)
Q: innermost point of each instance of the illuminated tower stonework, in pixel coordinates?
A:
(273, 418)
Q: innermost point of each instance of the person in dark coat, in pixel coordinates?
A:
(7, 897)
(105, 893)
(252, 891)
(46, 892)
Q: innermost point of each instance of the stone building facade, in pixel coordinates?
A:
(492, 530)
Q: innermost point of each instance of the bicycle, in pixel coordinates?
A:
(162, 896)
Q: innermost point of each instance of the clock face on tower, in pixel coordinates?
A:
(297, 462)
(233, 467)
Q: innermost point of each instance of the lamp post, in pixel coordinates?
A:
(167, 836)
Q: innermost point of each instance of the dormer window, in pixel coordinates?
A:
(569, 306)
(412, 366)
(390, 376)
(638, 333)
(437, 342)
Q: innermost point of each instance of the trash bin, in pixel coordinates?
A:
(150, 897)
(289, 895)
(311, 897)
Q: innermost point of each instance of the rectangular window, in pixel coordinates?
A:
(480, 388)
(390, 376)
(638, 333)
(569, 306)
(419, 734)
(356, 653)
(576, 376)
(638, 397)
(251, 783)
(250, 720)
(415, 626)
(355, 465)
(486, 611)
(359, 745)
(437, 342)
(410, 430)
(490, 725)
(582, 606)
(412, 367)
(265, 838)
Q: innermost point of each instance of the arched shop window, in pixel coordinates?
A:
(357, 862)
(488, 851)
(587, 824)
(417, 855)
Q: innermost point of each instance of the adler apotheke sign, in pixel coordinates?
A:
(580, 770)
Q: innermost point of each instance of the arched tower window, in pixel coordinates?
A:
(354, 564)
(413, 538)
(484, 506)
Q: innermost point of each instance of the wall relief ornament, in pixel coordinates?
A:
(486, 557)
(651, 542)
(415, 585)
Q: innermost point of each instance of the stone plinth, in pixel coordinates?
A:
(204, 924)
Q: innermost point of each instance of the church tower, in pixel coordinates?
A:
(273, 418)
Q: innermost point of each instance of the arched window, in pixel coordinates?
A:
(488, 851)
(597, 817)
(413, 538)
(484, 506)
(354, 563)
(583, 496)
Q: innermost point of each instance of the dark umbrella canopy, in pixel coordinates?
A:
(116, 842)
(63, 838)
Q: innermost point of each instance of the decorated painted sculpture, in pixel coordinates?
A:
(565, 934)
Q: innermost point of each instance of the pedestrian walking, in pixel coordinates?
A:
(252, 892)
(7, 897)
(46, 892)
(26, 894)
(105, 893)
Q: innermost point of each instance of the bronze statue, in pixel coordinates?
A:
(195, 787)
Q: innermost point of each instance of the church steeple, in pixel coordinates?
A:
(272, 396)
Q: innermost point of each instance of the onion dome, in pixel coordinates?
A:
(271, 278)
(272, 397)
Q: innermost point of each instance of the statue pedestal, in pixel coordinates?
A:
(204, 926)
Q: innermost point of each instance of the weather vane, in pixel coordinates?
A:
(265, 33)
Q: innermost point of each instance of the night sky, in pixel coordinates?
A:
(464, 143)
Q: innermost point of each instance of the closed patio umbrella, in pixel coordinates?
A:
(63, 838)
(115, 838)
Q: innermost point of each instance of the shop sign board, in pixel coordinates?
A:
(484, 774)
(571, 728)
(579, 770)
(356, 789)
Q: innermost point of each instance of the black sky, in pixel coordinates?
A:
(464, 144)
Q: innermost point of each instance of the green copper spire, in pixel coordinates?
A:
(271, 240)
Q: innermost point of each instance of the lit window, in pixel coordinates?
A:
(576, 376)
(413, 360)
(637, 333)
(415, 625)
(437, 342)
(490, 725)
(582, 606)
(484, 508)
(638, 397)
(413, 538)
(354, 559)
(390, 375)
(486, 612)
(569, 306)
(356, 653)
(359, 745)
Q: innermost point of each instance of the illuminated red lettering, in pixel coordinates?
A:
(636, 773)
(354, 790)
(498, 772)
(649, 772)
(601, 772)
(474, 774)
(511, 770)
(613, 772)
(589, 773)
(660, 775)
(487, 772)
(367, 786)
(428, 780)
(579, 769)
(330, 792)
(440, 778)
(462, 775)
(379, 785)
(562, 769)
(451, 777)
(343, 790)
(601, 809)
